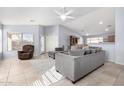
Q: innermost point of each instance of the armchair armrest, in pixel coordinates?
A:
(19, 52)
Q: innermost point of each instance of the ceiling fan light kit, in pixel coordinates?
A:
(63, 17)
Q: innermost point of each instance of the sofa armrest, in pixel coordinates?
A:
(66, 65)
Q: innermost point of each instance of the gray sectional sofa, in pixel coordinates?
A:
(78, 64)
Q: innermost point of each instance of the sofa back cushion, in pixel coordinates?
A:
(95, 49)
(77, 52)
(85, 51)
(59, 49)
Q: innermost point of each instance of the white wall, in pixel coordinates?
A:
(52, 40)
(57, 36)
(41, 33)
(109, 48)
(33, 29)
(64, 36)
(119, 22)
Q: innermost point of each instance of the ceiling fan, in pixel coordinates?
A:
(64, 14)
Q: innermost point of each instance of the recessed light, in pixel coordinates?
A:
(100, 22)
(106, 29)
(32, 20)
(109, 25)
(87, 34)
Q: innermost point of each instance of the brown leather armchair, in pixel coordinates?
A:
(26, 53)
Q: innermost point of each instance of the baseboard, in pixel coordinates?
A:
(110, 61)
(114, 62)
(119, 63)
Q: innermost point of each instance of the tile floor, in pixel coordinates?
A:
(41, 72)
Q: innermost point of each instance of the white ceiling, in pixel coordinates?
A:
(86, 18)
(42, 16)
(89, 23)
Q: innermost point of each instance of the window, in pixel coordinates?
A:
(94, 40)
(27, 39)
(17, 40)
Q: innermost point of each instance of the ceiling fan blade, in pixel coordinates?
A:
(58, 13)
(70, 17)
(63, 10)
(69, 12)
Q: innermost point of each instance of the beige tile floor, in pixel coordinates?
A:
(40, 71)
